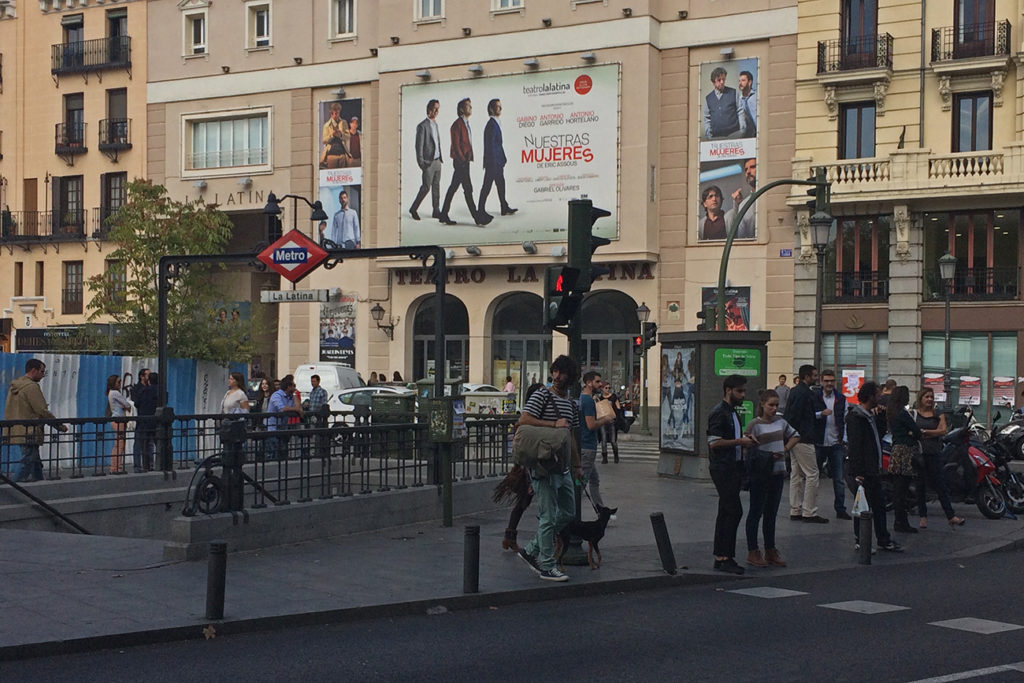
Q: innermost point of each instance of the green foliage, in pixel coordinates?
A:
(151, 225)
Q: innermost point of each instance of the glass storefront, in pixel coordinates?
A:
(456, 329)
(982, 369)
(609, 325)
(520, 348)
(856, 358)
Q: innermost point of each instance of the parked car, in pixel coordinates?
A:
(334, 377)
(346, 400)
(469, 388)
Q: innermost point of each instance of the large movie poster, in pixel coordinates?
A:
(678, 397)
(737, 306)
(340, 157)
(494, 160)
(338, 330)
(728, 148)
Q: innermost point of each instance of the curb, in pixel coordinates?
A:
(199, 630)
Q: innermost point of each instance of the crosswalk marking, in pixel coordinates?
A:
(767, 592)
(974, 673)
(982, 626)
(863, 607)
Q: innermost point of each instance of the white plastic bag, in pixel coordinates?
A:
(860, 502)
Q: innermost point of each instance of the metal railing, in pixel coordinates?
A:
(975, 284)
(858, 287)
(35, 226)
(990, 39)
(115, 133)
(309, 460)
(69, 138)
(91, 55)
(860, 52)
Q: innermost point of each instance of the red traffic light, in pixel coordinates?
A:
(638, 341)
(560, 284)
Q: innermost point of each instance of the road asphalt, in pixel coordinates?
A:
(67, 593)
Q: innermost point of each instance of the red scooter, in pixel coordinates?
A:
(970, 473)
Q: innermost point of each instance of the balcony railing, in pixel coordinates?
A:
(115, 134)
(98, 54)
(858, 287)
(991, 39)
(69, 139)
(861, 52)
(975, 284)
(71, 301)
(966, 165)
(51, 226)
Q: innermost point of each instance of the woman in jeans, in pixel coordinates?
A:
(766, 466)
(933, 428)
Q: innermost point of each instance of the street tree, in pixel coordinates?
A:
(148, 226)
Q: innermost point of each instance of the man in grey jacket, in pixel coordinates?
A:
(428, 158)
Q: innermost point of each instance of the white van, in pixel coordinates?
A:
(333, 378)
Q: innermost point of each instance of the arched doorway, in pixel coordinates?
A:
(456, 334)
(609, 325)
(520, 347)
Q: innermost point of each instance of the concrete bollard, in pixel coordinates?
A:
(216, 575)
(471, 561)
(865, 538)
(668, 558)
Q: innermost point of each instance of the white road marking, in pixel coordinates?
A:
(767, 592)
(975, 673)
(863, 607)
(983, 626)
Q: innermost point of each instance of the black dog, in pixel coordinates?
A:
(592, 532)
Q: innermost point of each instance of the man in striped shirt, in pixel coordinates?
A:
(553, 407)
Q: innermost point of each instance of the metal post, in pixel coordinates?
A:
(445, 450)
(644, 424)
(668, 557)
(865, 538)
(471, 560)
(817, 307)
(216, 574)
(946, 379)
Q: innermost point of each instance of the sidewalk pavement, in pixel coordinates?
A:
(64, 593)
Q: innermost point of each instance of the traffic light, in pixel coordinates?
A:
(707, 317)
(582, 242)
(638, 345)
(650, 335)
(821, 192)
(560, 298)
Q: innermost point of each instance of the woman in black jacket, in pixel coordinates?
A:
(864, 462)
(906, 436)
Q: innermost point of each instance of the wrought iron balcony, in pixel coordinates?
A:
(858, 287)
(115, 136)
(48, 226)
(861, 52)
(99, 54)
(69, 139)
(71, 301)
(975, 284)
(991, 39)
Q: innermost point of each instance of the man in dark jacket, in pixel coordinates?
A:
(145, 427)
(864, 463)
(802, 413)
(831, 434)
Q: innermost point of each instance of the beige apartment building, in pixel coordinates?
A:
(72, 124)
(915, 110)
(609, 99)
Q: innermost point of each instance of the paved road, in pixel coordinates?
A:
(881, 623)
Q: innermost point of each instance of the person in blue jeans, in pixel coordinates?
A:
(766, 466)
(828, 442)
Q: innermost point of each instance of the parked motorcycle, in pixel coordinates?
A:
(1003, 447)
(969, 472)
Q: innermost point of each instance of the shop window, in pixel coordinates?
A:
(456, 328)
(853, 356)
(857, 130)
(520, 348)
(859, 258)
(343, 18)
(228, 142)
(980, 367)
(972, 122)
(985, 244)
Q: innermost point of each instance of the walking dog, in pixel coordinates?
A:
(592, 532)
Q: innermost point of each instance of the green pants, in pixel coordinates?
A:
(556, 508)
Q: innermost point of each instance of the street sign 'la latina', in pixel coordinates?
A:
(293, 255)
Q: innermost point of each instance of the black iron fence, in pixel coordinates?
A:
(858, 287)
(990, 39)
(69, 138)
(114, 52)
(315, 459)
(115, 133)
(71, 224)
(860, 52)
(975, 284)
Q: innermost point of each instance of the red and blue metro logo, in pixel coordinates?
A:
(293, 256)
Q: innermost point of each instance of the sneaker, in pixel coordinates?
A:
(856, 546)
(843, 514)
(816, 519)
(891, 546)
(553, 574)
(729, 565)
(530, 560)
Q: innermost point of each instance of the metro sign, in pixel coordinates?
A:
(293, 256)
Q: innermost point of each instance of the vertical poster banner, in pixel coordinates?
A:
(1002, 391)
(493, 160)
(338, 330)
(340, 159)
(737, 306)
(728, 147)
(936, 381)
(678, 397)
(970, 391)
(853, 380)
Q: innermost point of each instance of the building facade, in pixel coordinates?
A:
(915, 112)
(72, 117)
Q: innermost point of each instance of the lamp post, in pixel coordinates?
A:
(821, 226)
(642, 314)
(273, 208)
(947, 271)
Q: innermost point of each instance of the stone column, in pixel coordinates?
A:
(906, 284)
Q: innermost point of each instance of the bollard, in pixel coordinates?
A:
(471, 561)
(668, 558)
(865, 538)
(216, 573)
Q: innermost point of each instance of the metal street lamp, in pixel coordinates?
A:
(273, 208)
(821, 227)
(947, 271)
(642, 314)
